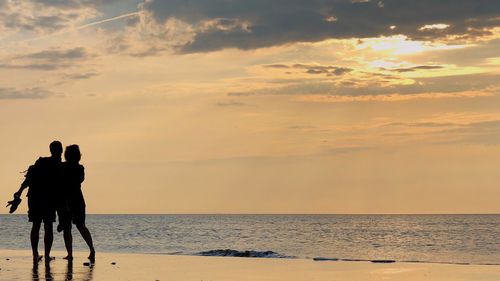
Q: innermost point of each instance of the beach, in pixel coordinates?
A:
(18, 265)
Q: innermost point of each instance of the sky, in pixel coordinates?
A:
(253, 106)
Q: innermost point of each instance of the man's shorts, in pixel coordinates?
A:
(40, 210)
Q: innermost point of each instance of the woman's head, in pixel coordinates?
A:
(72, 153)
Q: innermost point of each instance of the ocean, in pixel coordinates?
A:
(454, 239)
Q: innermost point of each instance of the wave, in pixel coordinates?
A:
(242, 254)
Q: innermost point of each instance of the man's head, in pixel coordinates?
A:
(56, 149)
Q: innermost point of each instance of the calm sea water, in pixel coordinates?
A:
(473, 239)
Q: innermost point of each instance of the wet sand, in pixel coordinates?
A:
(18, 265)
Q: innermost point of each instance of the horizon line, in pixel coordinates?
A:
(283, 214)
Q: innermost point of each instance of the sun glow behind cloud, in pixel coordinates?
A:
(437, 26)
(402, 45)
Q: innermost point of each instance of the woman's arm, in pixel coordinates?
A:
(82, 174)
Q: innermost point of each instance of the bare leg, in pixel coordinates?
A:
(84, 231)
(48, 239)
(35, 236)
(68, 242)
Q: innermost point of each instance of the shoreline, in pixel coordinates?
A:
(18, 265)
(272, 256)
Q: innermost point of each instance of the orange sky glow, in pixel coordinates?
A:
(258, 107)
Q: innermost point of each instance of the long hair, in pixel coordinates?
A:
(72, 153)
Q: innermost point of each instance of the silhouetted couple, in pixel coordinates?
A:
(55, 187)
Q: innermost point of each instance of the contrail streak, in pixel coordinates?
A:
(85, 26)
(107, 20)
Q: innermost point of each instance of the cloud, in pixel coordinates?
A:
(69, 54)
(434, 26)
(52, 59)
(484, 132)
(424, 124)
(301, 127)
(230, 104)
(81, 76)
(358, 89)
(347, 149)
(415, 68)
(45, 16)
(29, 93)
(251, 24)
(461, 128)
(72, 4)
(327, 152)
(143, 36)
(329, 70)
(474, 54)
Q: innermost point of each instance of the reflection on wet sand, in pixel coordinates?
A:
(86, 273)
(36, 273)
(69, 270)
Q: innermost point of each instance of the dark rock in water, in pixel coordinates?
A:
(324, 259)
(113, 263)
(86, 263)
(383, 261)
(244, 254)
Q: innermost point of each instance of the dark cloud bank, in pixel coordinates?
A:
(249, 24)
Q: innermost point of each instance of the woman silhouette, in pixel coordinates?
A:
(74, 175)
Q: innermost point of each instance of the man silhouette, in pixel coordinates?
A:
(43, 180)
